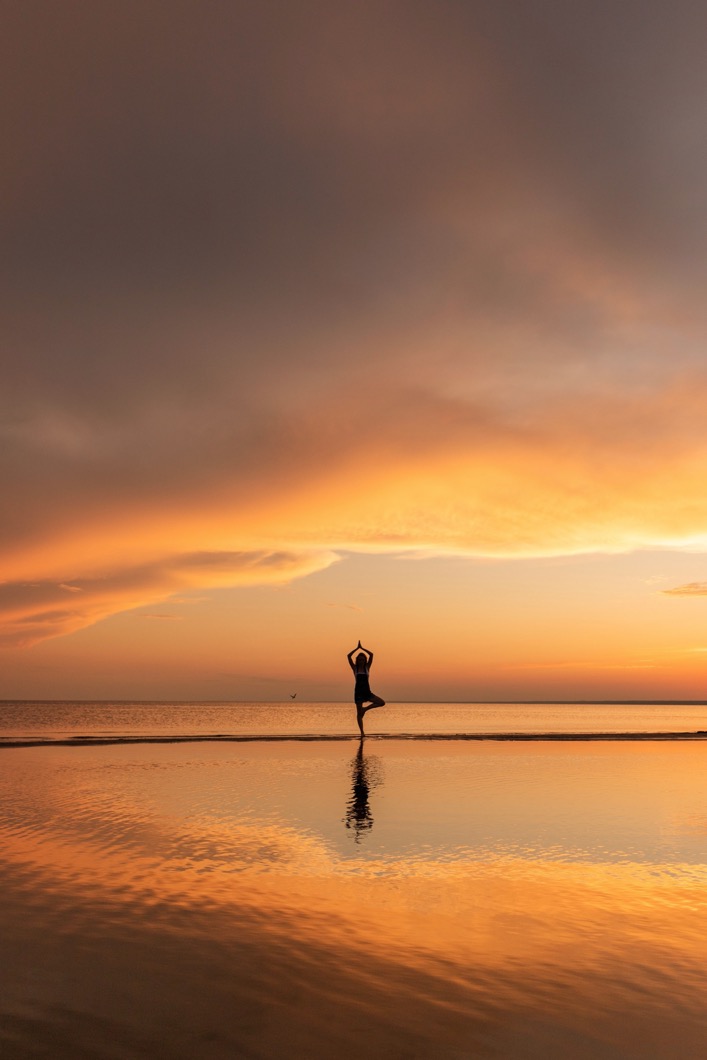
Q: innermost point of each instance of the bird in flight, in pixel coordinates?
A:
(292, 695)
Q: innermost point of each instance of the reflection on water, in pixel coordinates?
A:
(511, 901)
(365, 773)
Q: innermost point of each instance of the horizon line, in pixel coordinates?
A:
(390, 702)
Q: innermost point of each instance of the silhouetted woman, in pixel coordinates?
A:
(361, 666)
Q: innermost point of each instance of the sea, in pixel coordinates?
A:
(67, 720)
(217, 880)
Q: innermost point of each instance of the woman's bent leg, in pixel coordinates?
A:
(376, 701)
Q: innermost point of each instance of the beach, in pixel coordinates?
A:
(316, 898)
(353, 662)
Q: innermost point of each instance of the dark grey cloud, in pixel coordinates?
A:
(244, 162)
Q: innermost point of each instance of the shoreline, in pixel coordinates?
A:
(510, 737)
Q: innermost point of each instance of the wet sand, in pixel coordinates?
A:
(504, 737)
(298, 899)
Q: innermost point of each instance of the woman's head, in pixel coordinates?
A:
(361, 659)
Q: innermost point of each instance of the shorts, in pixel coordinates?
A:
(362, 691)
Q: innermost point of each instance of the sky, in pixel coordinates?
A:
(326, 321)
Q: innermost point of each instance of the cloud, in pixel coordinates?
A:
(428, 278)
(689, 589)
(438, 474)
(27, 614)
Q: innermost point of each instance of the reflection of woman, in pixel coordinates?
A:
(358, 812)
(361, 666)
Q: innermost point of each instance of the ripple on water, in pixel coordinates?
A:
(487, 906)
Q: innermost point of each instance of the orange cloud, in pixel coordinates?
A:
(690, 589)
(34, 611)
(568, 476)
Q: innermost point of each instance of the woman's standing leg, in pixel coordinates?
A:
(360, 711)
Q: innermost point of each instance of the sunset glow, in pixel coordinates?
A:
(353, 323)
